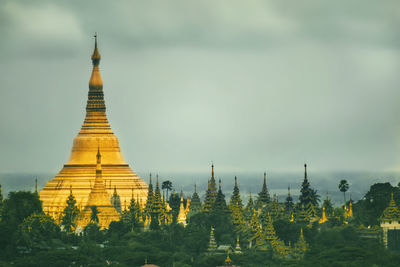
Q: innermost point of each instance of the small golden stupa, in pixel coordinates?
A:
(100, 199)
(79, 172)
(182, 215)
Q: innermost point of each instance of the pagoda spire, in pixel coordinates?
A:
(263, 197)
(96, 119)
(182, 215)
(305, 171)
(323, 216)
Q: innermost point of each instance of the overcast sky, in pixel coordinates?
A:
(250, 85)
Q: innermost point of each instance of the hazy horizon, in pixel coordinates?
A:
(248, 182)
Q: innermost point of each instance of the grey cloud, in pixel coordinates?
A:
(252, 85)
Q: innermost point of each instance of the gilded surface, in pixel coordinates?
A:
(80, 170)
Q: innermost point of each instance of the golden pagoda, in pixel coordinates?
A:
(79, 172)
(100, 199)
(182, 215)
(323, 217)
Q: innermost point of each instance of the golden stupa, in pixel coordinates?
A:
(100, 199)
(79, 172)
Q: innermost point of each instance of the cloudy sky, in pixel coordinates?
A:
(250, 85)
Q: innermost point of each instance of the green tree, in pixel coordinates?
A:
(157, 208)
(94, 217)
(20, 205)
(1, 202)
(328, 206)
(368, 210)
(37, 231)
(174, 203)
(69, 214)
(131, 217)
(166, 185)
(150, 196)
(343, 187)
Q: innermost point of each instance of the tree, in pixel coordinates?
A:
(1, 201)
(20, 205)
(94, 216)
(343, 187)
(37, 231)
(174, 203)
(70, 213)
(150, 196)
(166, 185)
(132, 216)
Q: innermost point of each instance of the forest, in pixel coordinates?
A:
(264, 232)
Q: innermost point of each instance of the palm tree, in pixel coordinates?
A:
(166, 185)
(343, 187)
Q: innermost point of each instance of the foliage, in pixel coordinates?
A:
(368, 210)
(166, 185)
(37, 231)
(343, 187)
(69, 214)
(94, 215)
(36, 240)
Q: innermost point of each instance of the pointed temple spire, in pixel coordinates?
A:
(263, 197)
(305, 171)
(196, 202)
(182, 215)
(99, 200)
(211, 193)
(36, 185)
(96, 119)
(79, 170)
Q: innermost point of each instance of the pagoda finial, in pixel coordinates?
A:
(150, 179)
(98, 155)
(70, 189)
(305, 171)
(236, 181)
(96, 55)
(195, 188)
(36, 185)
(115, 190)
(265, 178)
(212, 169)
(219, 183)
(156, 180)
